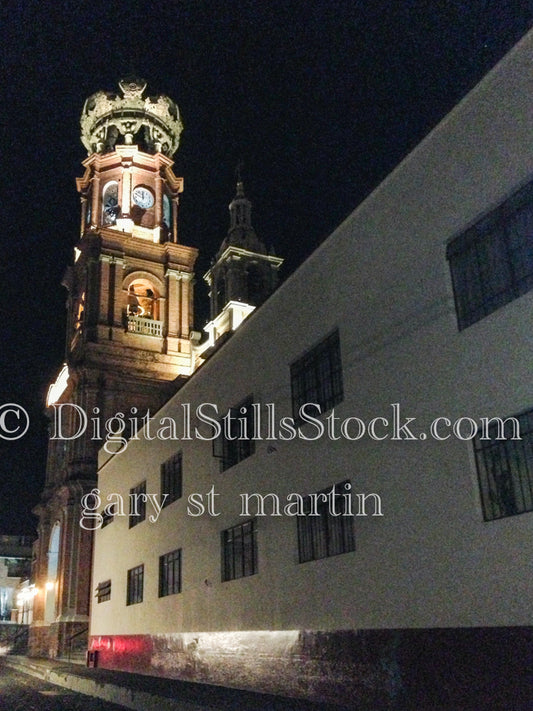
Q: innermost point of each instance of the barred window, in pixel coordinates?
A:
(326, 529)
(137, 504)
(505, 468)
(103, 591)
(170, 573)
(135, 585)
(492, 263)
(172, 478)
(239, 551)
(316, 377)
(236, 439)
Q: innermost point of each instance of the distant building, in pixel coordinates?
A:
(355, 556)
(15, 567)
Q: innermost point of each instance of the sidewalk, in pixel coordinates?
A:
(148, 693)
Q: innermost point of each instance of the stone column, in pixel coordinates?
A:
(185, 305)
(95, 217)
(105, 290)
(126, 193)
(173, 306)
(175, 202)
(118, 300)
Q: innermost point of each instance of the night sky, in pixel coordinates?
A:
(319, 98)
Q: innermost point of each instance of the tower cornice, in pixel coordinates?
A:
(133, 154)
(232, 252)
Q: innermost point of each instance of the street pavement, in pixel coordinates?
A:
(72, 687)
(21, 692)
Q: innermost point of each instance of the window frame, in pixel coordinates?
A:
(232, 452)
(135, 585)
(171, 478)
(141, 505)
(103, 591)
(324, 535)
(239, 551)
(173, 558)
(110, 212)
(317, 376)
(504, 496)
(491, 263)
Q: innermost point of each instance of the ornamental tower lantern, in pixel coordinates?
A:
(129, 183)
(128, 340)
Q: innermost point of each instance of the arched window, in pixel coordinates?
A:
(143, 299)
(167, 211)
(220, 294)
(110, 206)
(79, 312)
(255, 285)
(50, 608)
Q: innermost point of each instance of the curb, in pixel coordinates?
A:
(129, 698)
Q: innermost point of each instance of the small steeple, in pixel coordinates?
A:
(243, 274)
(241, 232)
(240, 209)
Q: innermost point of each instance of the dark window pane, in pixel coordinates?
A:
(492, 263)
(316, 377)
(239, 444)
(172, 478)
(103, 591)
(505, 470)
(137, 504)
(170, 573)
(239, 551)
(320, 532)
(134, 592)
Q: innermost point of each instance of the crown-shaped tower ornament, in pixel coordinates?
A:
(128, 118)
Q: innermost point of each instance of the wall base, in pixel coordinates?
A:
(437, 669)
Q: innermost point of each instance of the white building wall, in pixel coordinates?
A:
(382, 278)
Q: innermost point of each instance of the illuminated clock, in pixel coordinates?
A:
(142, 197)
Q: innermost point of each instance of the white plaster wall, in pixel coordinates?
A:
(383, 279)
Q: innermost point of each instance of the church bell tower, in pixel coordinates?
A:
(242, 275)
(128, 338)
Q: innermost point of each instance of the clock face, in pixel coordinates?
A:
(143, 197)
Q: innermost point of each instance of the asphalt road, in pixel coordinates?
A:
(20, 692)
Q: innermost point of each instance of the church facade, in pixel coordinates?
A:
(128, 341)
(338, 504)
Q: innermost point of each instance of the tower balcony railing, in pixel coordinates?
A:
(145, 326)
